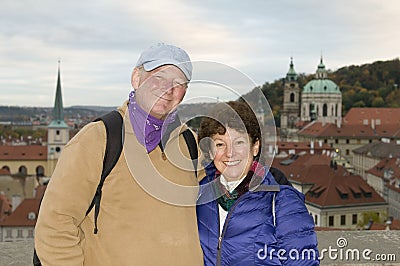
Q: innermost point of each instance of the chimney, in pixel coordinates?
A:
(339, 123)
(369, 225)
(311, 147)
(389, 223)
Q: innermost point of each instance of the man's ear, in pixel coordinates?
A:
(211, 154)
(135, 79)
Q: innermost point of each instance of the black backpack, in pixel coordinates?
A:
(115, 139)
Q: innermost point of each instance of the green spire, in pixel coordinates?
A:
(321, 71)
(58, 111)
(291, 75)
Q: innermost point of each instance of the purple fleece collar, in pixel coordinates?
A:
(147, 128)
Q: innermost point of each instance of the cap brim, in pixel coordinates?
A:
(149, 66)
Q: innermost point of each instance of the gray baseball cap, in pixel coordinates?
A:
(165, 54)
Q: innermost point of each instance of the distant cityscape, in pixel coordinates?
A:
(347, 166)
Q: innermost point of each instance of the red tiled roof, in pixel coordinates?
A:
(393, 188)
(385, 116)
(323, 228)
(30, 152)
(330, 187)
(384, 165)
(40, 191)
(318, 129)
(21, 215)
(4, 171)
(5, 206)
(395, 225)
(302, 146)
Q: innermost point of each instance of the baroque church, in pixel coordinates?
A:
(320, 100)
(39, 161)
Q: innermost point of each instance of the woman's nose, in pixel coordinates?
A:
(229, 150)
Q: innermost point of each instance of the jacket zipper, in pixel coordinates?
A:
(224, 230)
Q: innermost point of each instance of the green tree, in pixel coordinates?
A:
(370, 216)
(378, 102)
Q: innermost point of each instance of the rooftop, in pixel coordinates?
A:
(20, 153)
(331, 185)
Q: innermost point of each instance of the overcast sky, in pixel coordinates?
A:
(99, 42)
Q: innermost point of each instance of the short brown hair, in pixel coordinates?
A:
(234, 114)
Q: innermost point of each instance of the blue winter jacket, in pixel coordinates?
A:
(249, 236)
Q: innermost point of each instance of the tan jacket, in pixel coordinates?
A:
(139, 222)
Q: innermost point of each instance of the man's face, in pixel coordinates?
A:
(159, 91)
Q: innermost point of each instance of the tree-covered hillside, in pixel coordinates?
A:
(368, 85)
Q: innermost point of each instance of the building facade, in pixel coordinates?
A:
(290, 114)
(334, 197)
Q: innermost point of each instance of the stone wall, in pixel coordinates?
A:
(335, 245)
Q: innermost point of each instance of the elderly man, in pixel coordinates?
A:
(139, 222)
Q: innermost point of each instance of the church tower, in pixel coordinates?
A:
(291, 100)
(57, 130)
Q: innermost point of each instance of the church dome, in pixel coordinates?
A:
(321, 86)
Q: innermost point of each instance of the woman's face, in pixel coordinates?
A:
(233, 153)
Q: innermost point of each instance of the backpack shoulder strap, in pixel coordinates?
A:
(115, 138)
(192, 146)
(113, 123)
(279, 176)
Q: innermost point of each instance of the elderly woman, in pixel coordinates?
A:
(244, 216)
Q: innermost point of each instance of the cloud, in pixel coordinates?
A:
(98, 42)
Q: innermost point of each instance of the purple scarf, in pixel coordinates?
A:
(147, 128)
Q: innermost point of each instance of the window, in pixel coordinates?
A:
(343, 220)
(354, 219)
(19, 233)
(39, 171)
(316, 219)
(22, 170)
(347, 152)
(325, 110)
(58, 132)
(9, 233)
(347, 141)
(311, 108)
(31, 216)
(330, 221)
(292, 97)
(336, 141)
(30, 233)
